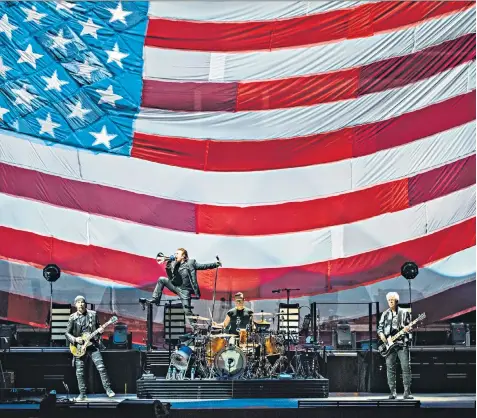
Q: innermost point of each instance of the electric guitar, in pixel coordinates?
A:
(79, 349)
(386, 348)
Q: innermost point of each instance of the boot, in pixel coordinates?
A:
(156, 301)
(393, 394)
(407, 393)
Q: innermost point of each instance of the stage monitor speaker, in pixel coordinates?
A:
(143, 408)
(458, 333)
(344, 338)
(121, 339)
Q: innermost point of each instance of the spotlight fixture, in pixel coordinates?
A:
(51, 273)
(409, 270)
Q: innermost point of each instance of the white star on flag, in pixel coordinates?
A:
(66, 6)
(90, 28)
(103, 137)
(28, 56)
(6, 27)
(3, 68)
(3, 111)
(24, 97)
(116, 56)
(108, 96)
(53, 82)
(85, 69)
(47, 126)
(78, 111)
(59, 41)
(118, 14)
(32, 15)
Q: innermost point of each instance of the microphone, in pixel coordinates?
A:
(276, 291)
(171, 257)
(217, 257)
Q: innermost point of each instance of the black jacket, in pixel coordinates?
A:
(184, 275)
(385, 325)
(73, 328)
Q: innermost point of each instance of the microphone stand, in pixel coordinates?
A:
(215, 287)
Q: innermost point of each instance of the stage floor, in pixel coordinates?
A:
(444, 400)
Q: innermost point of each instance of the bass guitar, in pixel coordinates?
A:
(79, 349)
(385, 348)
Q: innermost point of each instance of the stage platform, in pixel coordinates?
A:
(336, 405)
(154, 388)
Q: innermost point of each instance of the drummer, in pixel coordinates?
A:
(237, 318)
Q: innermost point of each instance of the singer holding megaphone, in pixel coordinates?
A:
(181, 277)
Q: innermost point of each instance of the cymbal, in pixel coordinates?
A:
(262, 314)
(198, 318)
(224, 335)
(216, 326)
(262, 322)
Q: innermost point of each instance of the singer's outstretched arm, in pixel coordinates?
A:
(206, 266)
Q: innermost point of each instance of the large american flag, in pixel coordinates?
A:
(310, 144)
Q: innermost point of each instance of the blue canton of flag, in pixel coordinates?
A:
(71, 72)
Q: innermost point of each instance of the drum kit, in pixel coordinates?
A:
(255, 352)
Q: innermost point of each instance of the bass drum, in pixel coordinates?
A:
(230, 362)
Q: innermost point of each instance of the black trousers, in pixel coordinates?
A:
(184, 294)
(401, 353)
(97, 358)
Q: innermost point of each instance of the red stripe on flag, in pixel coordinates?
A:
(336, 210)
(189, 96)
(442, 181)
(362, 21)
(302, 216)
(94, 198)
(401, 71)
(141, 271)
(212, 155)
(298, 91)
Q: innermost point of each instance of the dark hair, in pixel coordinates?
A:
(239, 295)
(184, 251)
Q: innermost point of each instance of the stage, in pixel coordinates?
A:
(353, 385)
(337, 404)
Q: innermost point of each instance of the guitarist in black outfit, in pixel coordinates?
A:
(80, 322)
(392, 321)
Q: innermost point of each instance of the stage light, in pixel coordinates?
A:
(409, 270)
(51, 273)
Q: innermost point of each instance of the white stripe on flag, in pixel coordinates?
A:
(281, 250)
(244, 11)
